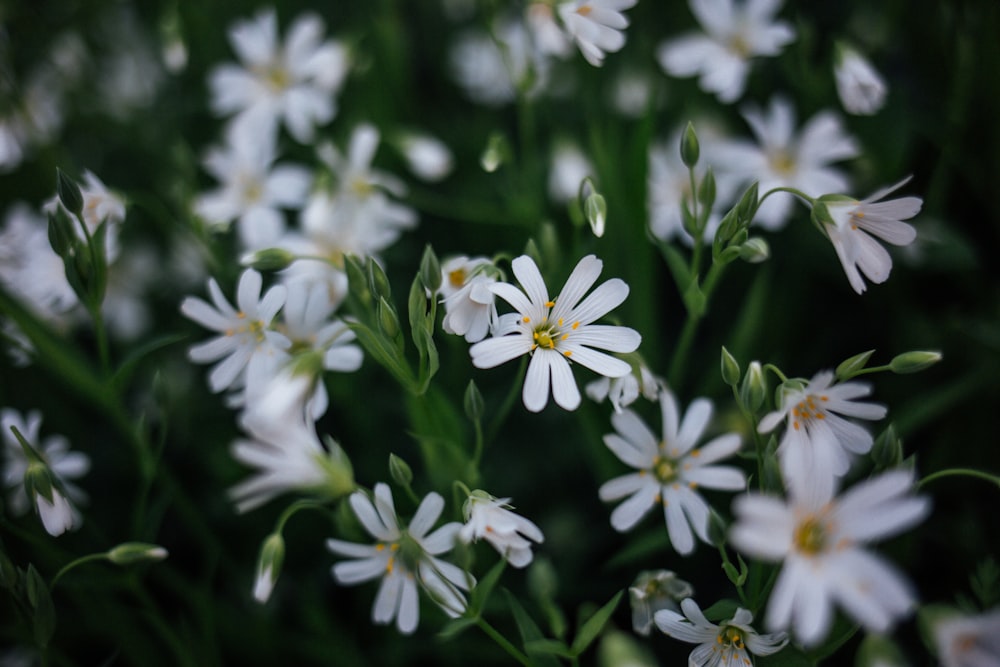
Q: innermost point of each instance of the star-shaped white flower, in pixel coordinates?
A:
(821, 541)
(857, 222)
(968, 640)
(596, 26)
(725, 644)
(509, 533)
(669, 470)
(653, 591)
(470, 306)
(818, 441)
(295, 82)
(404, 557)
(784, 157)
(246, 344)
(557, 331)
(734, 33)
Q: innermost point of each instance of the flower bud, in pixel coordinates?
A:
(387, 319)
(754, 388)
(850, 367)
(747, 206)
(378, 282)
(69, 193)
(473, 402)
(494, 154)
(595, 209)
(338, 468)
(706, 190)
(730, 368)
(755, 250)
(268, 259)
(400, 471)
(272, 555)
(128, 553)
(913, 362)
(430, 270)
(878, 650)
(887, 451)
(690, 150)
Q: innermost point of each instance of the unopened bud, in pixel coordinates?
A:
(430, 270)
(754, 388)
(69, 193)
(730, 368)
(887, 452)
(848, 368)
(494, 154)
(690, 150)
(473, 402)
(755, 250)
(378, 282)
(400, 471)
(128, 553)
(747, 206)
(913, 362)
(268, 259)
(272, 555)
(387, 319)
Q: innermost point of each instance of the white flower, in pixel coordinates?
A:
(725, 644)
(509, 533)
(968, 640)
(623, 391)
(785, 158)
(287, 456)
(669, 470)
(246, 344)
(861, 88)
(596, 26)
(735, 34)
(653, 591)
(295, 83)
(554, 332)
(428, 157)
(820, 538)
(404, 557)
(856, 222)
(470, 308)
(818, 442)
(252, 189)
(569, 167)
(61, 465)
(546, 33)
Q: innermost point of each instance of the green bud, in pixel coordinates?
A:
(913, 362)
(717, 528)
(754, 388)
(473, 402)
(727, 228)
(378, 282)
(357, 281)
(690, 150)
(128, 553)
(730, 368)
(69, 193)
(400, 471)
(268, 259)
(595, 209)
(755, 250)
(772, 481)
(272, 556)
(850, 367)
(747, 206)
(61, 235)
(706, 190)
(495, 153)
(887, 451)
(430, 270)
(388, 321)
(338, 468)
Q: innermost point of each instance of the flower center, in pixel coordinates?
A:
(739, 46)
(730, 637)
(274, 76)
(810, 536)
(783, 163)
(457, 278)
(664, 469)
(809, 409)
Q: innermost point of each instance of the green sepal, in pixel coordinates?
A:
(69, 193)
(848, 368)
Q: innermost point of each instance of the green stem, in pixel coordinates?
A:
(294, 508)
(960, 472)
(683, 348)
(502, 641)
(726, 561)
(798, 193)
(72, 564)
(508, 402)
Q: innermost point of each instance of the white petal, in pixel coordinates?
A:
(564, 390)
(536, 380)
(492, 352)
(427, 513)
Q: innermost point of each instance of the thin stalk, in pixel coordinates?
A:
(960, 472)
(683, 348)
(502, 641)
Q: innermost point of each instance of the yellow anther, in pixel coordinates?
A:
(575, 325)
(568, 353)
(560, 321)
(526, 319)
(457, 277)
(240, 315)
(549, 304)
(584, 10)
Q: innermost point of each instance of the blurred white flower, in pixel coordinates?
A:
(404, 557)
(633, 93)
(855, 223)
(653, 591)
(596, 26)
(295, 82)
(669, 470)
(491, 69)
(428, 157)
(60, 465)
(470, 308)
(558, 331)
(725, 644)
(546, 33)
(623, 391)
(783, 157)
(861, 88)
(820, 538)
(818, 441)
(968, 640)
(569, 167)
(246, 344)
(252, 189)
(734, 33)
(490, 518)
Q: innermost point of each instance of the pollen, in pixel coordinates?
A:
(584, 10)
(526, 319)
(457, 277)
(549, 304)
(576, 325)
(568, 353)
(810, 536)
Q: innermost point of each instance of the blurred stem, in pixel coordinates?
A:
(72, 564)
(726, 561)
(508, 401)
(502, 641)
(683, 349)
(960, 472)
(293, 509)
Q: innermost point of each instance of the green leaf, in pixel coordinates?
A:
(549, 647)
(44, 612)
(723, 610)
(677, 264)
(456, 626)
(595, 624)
(850, 367)
(790, 656)
(129, 363)
(529, 632)
(481, 593)
(694, 299)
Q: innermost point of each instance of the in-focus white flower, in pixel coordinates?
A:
(59, 465)
(734, 33)
(247, 345)
(286, 455)
(652, 591)
(295, 82)
(861, 88)
(596, 26)
(818, 442)
(786, 158)
(509, 533)
(404, 558)
(669, 470)
(855, 223)
(569, 167)
(470, 308)
(428, 157)
(558, 331)
(725, 644)
(968, 640)
(623, 391)
(252, 190)
(821, 538)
